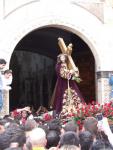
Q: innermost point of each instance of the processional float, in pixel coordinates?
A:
(71, 66)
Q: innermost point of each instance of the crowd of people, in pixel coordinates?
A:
(22, 130)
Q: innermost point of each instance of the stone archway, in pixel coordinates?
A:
(73, 20)
(34, 60)
(69, 20)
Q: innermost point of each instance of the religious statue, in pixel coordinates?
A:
(66, 95)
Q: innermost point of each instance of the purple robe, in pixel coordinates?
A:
(61, 86)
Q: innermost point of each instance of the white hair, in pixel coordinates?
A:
(38, 137)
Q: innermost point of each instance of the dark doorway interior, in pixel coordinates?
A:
(33, 65)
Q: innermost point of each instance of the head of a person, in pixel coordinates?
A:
(71, 126)
(13, 134)
(8, 73)
(30, 124)
(86, 140)
(2, 63)
(90, 124)
(62, 58)
(54, 124)
(24, 114)
(37, 137)
(14, 148)
(69, 147)
(111, 127)
(2, 125)
(69, 138)
(101, 145)
(12, 115)
(52, 138)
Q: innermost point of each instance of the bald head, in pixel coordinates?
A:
(38, 137)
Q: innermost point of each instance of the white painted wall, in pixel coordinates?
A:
(21, 18)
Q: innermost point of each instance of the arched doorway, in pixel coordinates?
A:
(33, 62)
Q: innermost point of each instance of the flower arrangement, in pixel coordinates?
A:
(80, 112)
(84, 110)
(47, 117)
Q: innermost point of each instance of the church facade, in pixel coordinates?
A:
(92, 21)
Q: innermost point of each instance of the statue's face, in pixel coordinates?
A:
(62, 58)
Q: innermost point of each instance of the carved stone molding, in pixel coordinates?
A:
(103, 86)
(5, 109)
(103, 74)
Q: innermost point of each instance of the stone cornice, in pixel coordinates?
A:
(103, 74)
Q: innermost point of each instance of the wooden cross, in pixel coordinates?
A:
(67, 50)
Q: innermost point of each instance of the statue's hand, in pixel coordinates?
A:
(77, 79)
(72, 71)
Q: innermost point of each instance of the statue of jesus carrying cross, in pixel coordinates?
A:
(66, 93)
